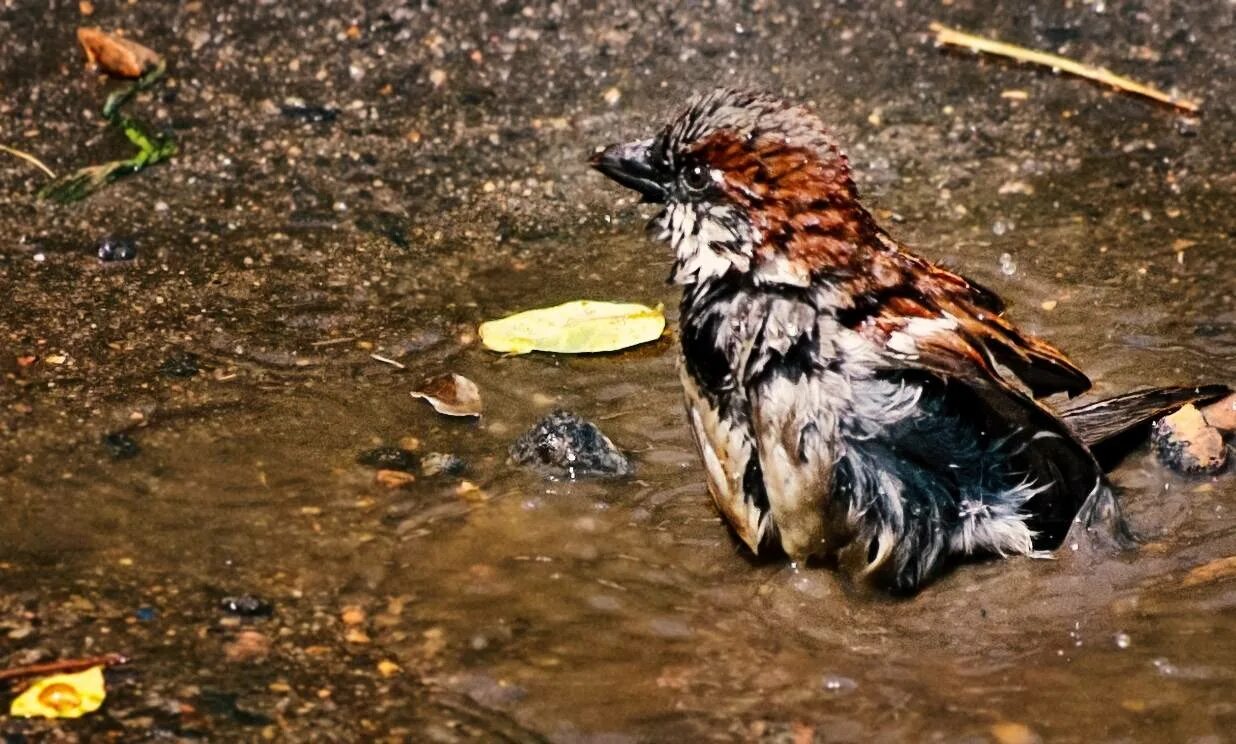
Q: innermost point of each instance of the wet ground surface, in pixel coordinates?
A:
(433, 178)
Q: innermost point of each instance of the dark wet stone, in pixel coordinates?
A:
(308, 113)
(442, 463)
(389, 225)
(180, 364)
(246, 605)
(1188, 126)
(120, 445)
(563, 444)
(220, 703)
(1059, 35)
(389, 458)
(116, 249)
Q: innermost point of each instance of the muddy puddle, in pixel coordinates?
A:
(590, 611)
(495, 605)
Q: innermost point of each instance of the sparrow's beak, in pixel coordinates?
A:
(632, 165)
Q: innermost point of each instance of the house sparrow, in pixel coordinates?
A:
(850, 400)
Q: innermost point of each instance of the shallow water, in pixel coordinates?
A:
(517, 608)
(620, 608)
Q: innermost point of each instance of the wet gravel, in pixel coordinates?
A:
(377, 178)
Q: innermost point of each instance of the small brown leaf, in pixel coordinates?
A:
(451, 394)
(393, 478)
(1216, 570)
(114, 54)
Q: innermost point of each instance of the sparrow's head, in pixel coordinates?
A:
(750, 184)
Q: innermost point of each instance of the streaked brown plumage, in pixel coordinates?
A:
(852, 401)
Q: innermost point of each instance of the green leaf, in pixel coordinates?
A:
(579, 327)
(152, 147)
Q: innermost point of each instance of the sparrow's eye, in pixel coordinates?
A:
(697, 178)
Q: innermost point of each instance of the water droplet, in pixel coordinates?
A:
(60, 697)
(1008, 266)
(1123, 640)
(1165, 667)
(1000, 227)
(838, 684)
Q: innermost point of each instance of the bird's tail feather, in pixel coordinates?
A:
(1104, 420)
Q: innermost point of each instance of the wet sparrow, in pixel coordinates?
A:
(851, 401)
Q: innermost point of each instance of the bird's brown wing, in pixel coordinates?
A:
(903, 286)
(959, 348)
(895, 286)
(726, 446)
(1042, 367)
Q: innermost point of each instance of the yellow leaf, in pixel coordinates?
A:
(61, 696)
(579, 327)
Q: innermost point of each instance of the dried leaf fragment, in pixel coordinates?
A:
(114, 54)
(1216, 570)
(393, 478)
(451, 395)
(61, 696)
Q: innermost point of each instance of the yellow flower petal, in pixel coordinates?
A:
(579, 327)
(61, 696)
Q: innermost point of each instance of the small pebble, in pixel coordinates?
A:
(248, 645)
(120, 445)
(180, 364)
(116, 249)
(442, 463)
(246, 605)
(310, 114)
(389, 458)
